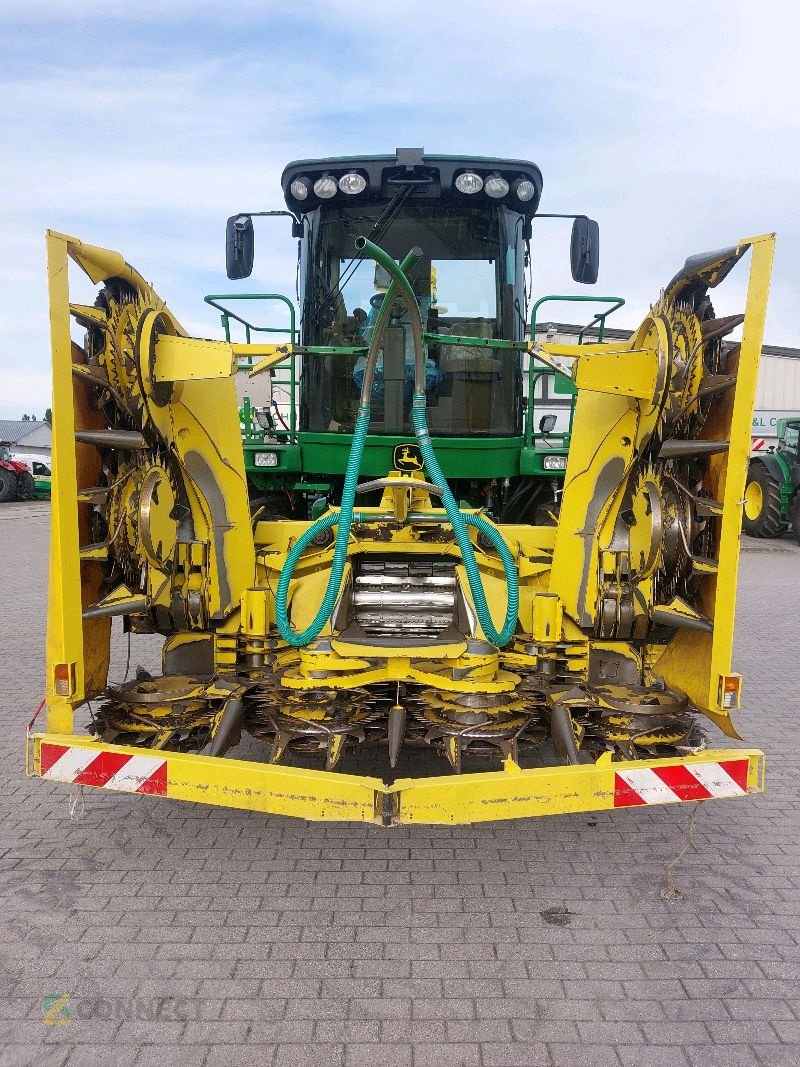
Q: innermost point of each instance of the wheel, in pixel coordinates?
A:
(25, 486)
(272, 507)
(795, 516)
(762, 504)
(8, 485)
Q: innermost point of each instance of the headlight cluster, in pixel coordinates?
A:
(327, 186)
(495, 186)
(265, 459)
(468, 182)
(555, 463)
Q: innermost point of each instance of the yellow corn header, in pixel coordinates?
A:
(619, 664)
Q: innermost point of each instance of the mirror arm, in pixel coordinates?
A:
(527, 227)
(297, 221)
(544, 215)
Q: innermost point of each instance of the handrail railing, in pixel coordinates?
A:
(249, 328)
(535, 372)
(601, 316)
(226, 314)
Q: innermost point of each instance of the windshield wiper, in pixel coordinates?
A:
(377, 233)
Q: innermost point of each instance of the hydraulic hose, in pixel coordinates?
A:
(401, 287)
(344, 517)
(458, 521)
(382, 320)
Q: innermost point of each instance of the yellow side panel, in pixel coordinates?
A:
(206, 435)
(180, 359)
(694, 662)
(64, 629)
(623, 374)
(590, 490)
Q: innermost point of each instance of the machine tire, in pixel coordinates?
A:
(8, 485)
(762, 504)
(795, 517)
(25, 486)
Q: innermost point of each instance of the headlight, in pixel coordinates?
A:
(555, 463)
(266, 459)
(352, 183)
(300, 188)
(469, 182)
(325, 187)
(524, 190)
(496, 186)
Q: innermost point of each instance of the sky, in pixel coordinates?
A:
(141, 127)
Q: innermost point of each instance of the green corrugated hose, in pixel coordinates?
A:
(344, 517)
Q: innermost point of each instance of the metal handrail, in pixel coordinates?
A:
(227, 314)
(534, 372)
(249, 327)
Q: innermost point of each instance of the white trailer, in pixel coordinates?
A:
(778, 394)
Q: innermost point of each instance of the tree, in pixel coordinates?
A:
(48, 416)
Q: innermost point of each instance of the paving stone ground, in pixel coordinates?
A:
(182, 934)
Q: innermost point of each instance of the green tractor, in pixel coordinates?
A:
(501, 417)
(771, 499)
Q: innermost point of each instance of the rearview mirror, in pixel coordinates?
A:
(585, 250)
(239, 247)
(547, 423)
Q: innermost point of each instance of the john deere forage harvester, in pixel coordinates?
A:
(405, 599)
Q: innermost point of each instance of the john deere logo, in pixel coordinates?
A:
(407, 458)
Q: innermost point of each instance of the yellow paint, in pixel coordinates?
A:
(329, 796)
(274, 354)
(525, 794)
(692, 661)
(626, 374)
(753, 500)
(64, 629)
(181, 359)
(586, 585)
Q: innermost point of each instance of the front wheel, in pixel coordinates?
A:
(762, 504)
(8, 485)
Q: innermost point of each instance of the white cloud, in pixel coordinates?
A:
(676, 127)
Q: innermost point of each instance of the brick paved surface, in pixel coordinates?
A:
(192, 935)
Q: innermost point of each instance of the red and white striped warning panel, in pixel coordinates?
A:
(682, 781)
(82, 766)
(757, 444)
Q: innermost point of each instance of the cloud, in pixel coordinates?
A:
(141, 128)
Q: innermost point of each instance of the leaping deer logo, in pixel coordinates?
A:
(408, 457)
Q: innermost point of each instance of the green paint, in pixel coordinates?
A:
(460, 457)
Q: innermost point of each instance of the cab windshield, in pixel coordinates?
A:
(468, 284)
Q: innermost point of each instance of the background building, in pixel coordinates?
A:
(777, 395)
(27, 438)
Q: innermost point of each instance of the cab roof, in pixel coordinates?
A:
(430, 176)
